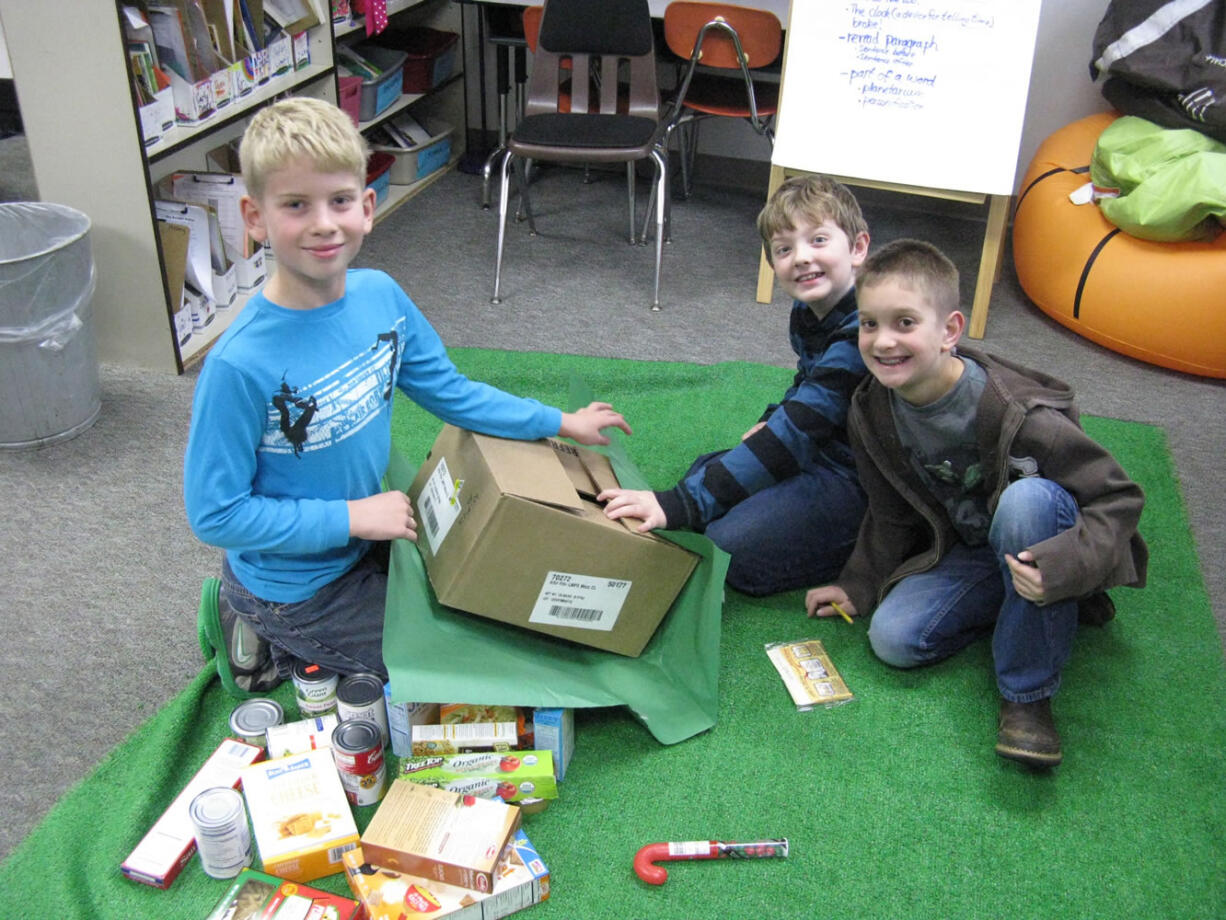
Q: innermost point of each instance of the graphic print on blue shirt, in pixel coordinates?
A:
(312, 416)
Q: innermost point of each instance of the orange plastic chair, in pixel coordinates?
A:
(714, 37)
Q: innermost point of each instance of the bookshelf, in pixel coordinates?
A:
(82, 127)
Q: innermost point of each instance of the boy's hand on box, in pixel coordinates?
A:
(587, 424)
(819, 602)
(386, 516)
(634, 503)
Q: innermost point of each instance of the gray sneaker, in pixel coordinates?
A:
(244, 661)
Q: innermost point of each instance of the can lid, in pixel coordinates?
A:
(252, 717)
(305, 672)
(360, 690)
(215, 807)
(353, 736)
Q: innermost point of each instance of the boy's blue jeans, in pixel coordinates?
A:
(340, 627)
(969, 594)
(795, 534)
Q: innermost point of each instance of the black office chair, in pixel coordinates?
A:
(585, 48)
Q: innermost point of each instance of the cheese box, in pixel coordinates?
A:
(440, 835)
(510, 775)
(258, 896)
(521, 881)
(299, 815)
(512, 531)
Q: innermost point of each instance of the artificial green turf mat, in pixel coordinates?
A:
(895, 804)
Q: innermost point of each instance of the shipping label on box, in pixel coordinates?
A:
(513, 532)
(165, 849)
(521, 881)
(440, 835)
(299, 815)
(259, 896)
(509, 775)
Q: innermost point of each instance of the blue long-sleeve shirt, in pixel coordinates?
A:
(291, 419)
(806, 429)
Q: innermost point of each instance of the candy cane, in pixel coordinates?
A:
(645, 860)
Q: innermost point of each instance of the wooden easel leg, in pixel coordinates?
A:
(989, 262)
(766, 274)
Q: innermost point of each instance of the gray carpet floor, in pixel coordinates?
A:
(102, 575)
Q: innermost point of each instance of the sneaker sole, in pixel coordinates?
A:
(1028, 757)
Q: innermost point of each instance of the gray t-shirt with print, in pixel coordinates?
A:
(940, 443)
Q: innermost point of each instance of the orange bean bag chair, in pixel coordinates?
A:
(1164, 303)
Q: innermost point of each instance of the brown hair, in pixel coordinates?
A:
(300, 127)
(814, 198)
(918, 263)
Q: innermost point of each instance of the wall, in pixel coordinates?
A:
(1060, 86)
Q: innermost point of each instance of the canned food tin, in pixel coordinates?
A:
(251, 718)
(314, 689)
(357, 750)
(360, 696)
(223, 838)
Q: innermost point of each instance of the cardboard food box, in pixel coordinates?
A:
(553, 730)
(165, 849)
(510, 776)
(258, 896)
(522, 880)
(440, 835)
(463, 738)
(299, 815)
(401, 717)
(513, 532)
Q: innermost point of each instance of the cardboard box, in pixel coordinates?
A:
(259, 896)
(440, 835)
(463, 738)
(522, 880)
(508, 775)
(553, 730)
(299, 815)
(165, 849)
(512, 532)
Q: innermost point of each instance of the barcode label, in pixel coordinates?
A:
(582, 601)
(334, 854)
(439, 505)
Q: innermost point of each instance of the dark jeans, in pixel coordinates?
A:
(340, 627)
(795, 534)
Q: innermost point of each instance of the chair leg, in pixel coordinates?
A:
(504, 194)
(630, 186)
(524, 210)
(504, 92)
(661, 163)
(651, 199)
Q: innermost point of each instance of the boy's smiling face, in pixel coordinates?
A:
(816, 263)
(315, 222)
(905, 343)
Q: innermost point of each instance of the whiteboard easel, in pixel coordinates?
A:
(922, 97)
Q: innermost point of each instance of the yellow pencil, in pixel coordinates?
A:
(840, 611)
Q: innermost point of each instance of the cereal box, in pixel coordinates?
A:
(508, 775)
(258, 896)
(440, 835)
(521, 881)
(299, 815)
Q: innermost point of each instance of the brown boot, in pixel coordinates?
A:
(1028, 733)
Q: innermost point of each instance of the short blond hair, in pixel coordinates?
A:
(814, 198)
(917, 264)
(300, 127)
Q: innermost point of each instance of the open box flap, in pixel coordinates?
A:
(528, 470)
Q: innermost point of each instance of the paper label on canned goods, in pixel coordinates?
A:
(439, 504)
(583, 601)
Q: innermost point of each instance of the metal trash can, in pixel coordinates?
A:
(49, 387)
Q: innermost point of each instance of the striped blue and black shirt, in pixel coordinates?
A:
(806, 429)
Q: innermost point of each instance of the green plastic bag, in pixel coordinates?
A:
(1171, 181)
